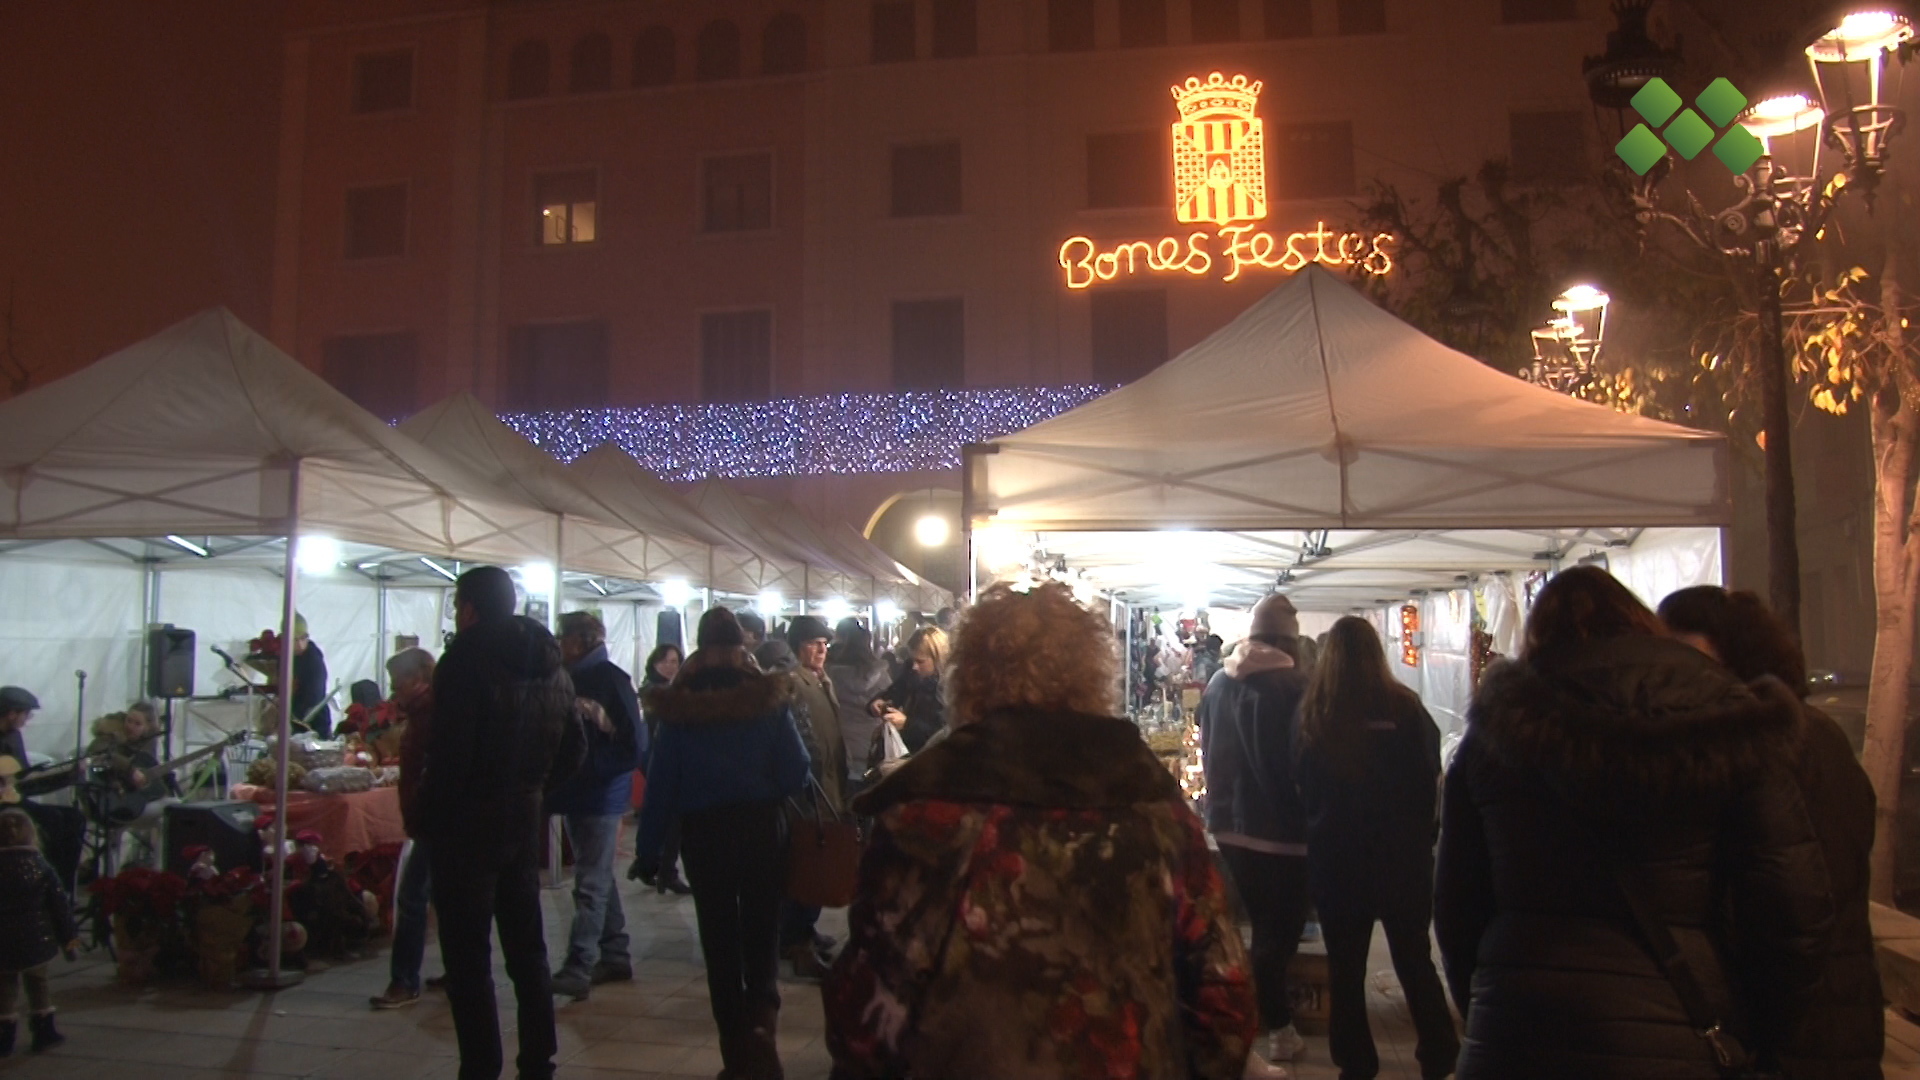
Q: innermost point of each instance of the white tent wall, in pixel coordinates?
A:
(228, 607)
(417, 612)
(59, 617)
(1662, 561)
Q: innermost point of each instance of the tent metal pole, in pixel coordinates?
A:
(380, 645)
(556, 834)
(275, 978)
(150, 606)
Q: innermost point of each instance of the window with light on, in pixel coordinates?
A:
(567, 203)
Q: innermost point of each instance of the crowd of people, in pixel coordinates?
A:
(1648, 857)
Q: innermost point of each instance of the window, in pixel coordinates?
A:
(527, 71)
(892, 31)
(1537, 11)
(1363, 16)
(591, 67)
(1129, 333)
(1069, 25)
(383, 81)
(378, 371)
(1127, 169)
(377, 222)
(717, 51)
(1315, 160)
(783, 45)
(1289, 19)
(1143, 23)
(653, 57)
(956, 29)
(737, 193)
(555, 366)
(929, 344)
(566, 203)
(926, 179)
(736, 356)
(1216, 21)
(1548, 147)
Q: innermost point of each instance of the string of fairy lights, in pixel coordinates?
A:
(908, 431)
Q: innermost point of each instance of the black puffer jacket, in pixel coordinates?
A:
(504, 732)
(1247, 724)
(1636, 751)
(924, 703)
(1841, 1037)
(36, 919)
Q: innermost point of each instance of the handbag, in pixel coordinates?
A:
(1730, 1058)
(823, 851)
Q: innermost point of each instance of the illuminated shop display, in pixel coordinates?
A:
(1220, 180)
(835, 433)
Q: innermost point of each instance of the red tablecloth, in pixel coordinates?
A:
(358, 822)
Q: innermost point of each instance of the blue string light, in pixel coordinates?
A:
(910, 431)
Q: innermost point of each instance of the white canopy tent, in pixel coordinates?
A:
(1320, 445)
(208, 434)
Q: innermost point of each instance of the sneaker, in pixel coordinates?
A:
(1285, 1044)
(611, 972)
(1258, 1068)
(574, 984)
(396, 997)
(825, 944)
(806, 964)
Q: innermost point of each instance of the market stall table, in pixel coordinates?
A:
(360, 821)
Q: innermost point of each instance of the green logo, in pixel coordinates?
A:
(1688, 133)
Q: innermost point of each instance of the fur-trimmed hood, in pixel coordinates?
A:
(1253, 657)
(710, 695)
(1634, 721)
(1032, 759)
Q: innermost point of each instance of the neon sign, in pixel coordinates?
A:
(1220, 179)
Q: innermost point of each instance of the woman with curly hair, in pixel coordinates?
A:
(1037, 899)
(1842, 1035)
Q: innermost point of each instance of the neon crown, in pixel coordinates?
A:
(1218, 94)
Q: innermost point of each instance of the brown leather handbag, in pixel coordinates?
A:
(823, 851)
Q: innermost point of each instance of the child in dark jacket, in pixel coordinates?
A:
(36, 922)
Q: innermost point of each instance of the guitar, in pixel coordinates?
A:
(120, 807)
(9, 769)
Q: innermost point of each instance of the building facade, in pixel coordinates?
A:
(557, 203)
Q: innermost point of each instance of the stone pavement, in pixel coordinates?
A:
(657, 1026)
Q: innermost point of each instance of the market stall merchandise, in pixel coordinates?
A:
(346, 824)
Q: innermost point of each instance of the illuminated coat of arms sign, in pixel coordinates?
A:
(1220, 180)
(1219, 161)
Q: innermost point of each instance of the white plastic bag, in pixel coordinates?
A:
(892, 747)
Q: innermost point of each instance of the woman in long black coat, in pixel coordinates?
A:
(1611, 757)
(1369, 774)
(1843, 1036)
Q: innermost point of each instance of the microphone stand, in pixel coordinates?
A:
(80, 720)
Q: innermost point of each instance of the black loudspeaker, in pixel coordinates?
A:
(667, 628)
(225, 827)
(169, 662)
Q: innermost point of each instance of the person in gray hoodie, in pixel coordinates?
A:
(1247, 733)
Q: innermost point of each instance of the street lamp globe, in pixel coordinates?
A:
(931, 531)
(1849, 67)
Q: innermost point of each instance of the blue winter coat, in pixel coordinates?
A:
(604, 784)
(727, 736)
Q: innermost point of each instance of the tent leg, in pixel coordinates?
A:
(273, 978)
(380, 645)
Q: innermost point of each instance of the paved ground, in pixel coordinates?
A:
(657, 1026)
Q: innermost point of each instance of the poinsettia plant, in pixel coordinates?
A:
(143, 903)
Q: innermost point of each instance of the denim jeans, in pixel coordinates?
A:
(1273, 889)
(599, 925)
(736, 859)
(410, 895)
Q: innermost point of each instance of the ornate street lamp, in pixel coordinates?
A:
(1849, 65)
(1777, 210)
(1567, 349)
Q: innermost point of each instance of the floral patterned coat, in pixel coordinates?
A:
(1038, 901)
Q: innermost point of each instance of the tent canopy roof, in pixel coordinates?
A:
(1316, 409)
(203, 429)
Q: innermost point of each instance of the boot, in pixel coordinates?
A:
(45, 1037)
(7, 1030)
